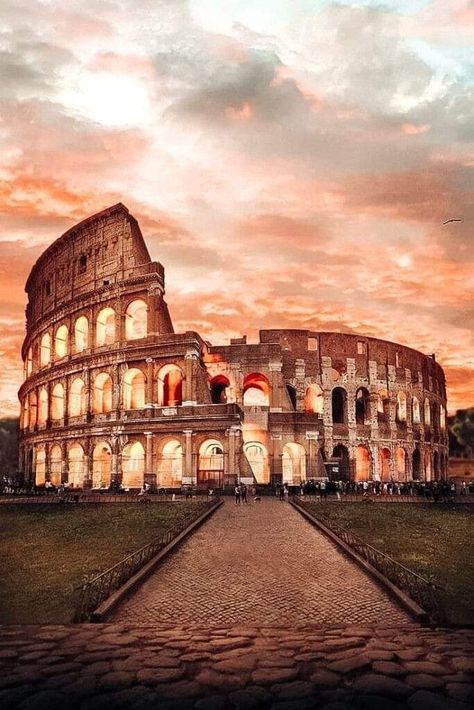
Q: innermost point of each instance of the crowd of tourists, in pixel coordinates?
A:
(431, 490)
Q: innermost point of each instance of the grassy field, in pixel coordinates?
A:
(435, 541)
(46, 550)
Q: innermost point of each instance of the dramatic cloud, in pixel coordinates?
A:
(291, 163)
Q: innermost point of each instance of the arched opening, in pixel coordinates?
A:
(436, 466)
(292, 395)
(416, 465)
(81, 334)
(170, 466)
(133, 389)
(43, 406)
(105, 327)
(339, 405)
(57, 402)
(401, 414)
(314, 400)
(256, 390)
(428, 466)
(340, 452)
(133, 465)
(362, 406)
(25, 414)
(427, 412)
(45, 350)
(363, 464)
(219, 388)
(29, 362)
(101, 465)
(76, 466)
(33, 409)
(40, 467)
(211, 464)
(61, 341)
(56, 460)
(257, 456)
(77, 398)
(442, 417)
(383, 407)
(136, 318)
(170, 386)
(415, 410)
(102, 393)
(385, 458)
(401, 459)
(293, 463)
(435, 415)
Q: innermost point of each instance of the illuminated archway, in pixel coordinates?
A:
(133, 465)
(427, 412)
(219, 388)
(133, 389)
(75, 457)
(101, 465)
(136, 317)
(105, 327)
(81, 334)
(170, 466)
(363, 464)
(257, 456)
(293, 463)
(428, 466)
(61, 341)
(45, 350)
(401, 460)
(314, 399)
(77, 398)
(40, 467)
(211, 463)
(385, 458)
(102, 393)
(57, 402)
(339, 405)
(170, 386)
(415, 410)
(56, 461)
(43, 406)
(256, 390)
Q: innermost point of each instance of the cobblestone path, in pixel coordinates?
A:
(259, 564)
(132, 667)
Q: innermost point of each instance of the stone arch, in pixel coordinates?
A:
(102, 393)
(170, 464)
(133, 389)
(76, 465)
(101, 465)
(170, 386)
(293, 463)
(341, 452)
(363, 463)
(40, 466)
(256, 390)
(105, 327)
(43, 406)
(136, 320)
(339, 405)
(428, 465)
(401, 413)
(211, 463)
(56, 463)
(257, 456)
(57, 402)
(81, 334)
(415, 410)
(362, 406)
(61, 341)
(401, 460)
(133, 465)
(416, 465)
(385, 464)
(383, 406)
(45, 350)
(427, 412)
(77, 398)
(314, 399)
(219, 389)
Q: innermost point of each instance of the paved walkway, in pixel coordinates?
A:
(132, 667)
(259, 564)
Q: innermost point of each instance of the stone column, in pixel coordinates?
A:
(275, 377)
(64, 463)
(188, 477)
(276, 474)
(232, 468)
(87, 480)
(66, 400)
(150, 476)
(89, 393)
(114, 469)
(47, 474)
(118, 372)
(189, 396)
(149, 394)
(312, 467)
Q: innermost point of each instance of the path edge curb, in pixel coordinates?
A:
(407, 602)
(100, 614)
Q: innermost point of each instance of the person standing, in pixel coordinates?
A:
(244, 494)
(237, 494)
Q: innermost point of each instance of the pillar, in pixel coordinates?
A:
(149, 394)
(189, 396)
(233, 446)
(275, 377)
(114, 472)
(188, 476)
(64, 463)
(312, 467)
(276, 474)
(150, 476)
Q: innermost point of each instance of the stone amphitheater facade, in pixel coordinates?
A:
(112, 393)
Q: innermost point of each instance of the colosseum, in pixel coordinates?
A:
(113, 394)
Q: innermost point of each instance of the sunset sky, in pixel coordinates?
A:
(290, 162)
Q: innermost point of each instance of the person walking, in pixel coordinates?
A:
(244, 494)
(237, 494)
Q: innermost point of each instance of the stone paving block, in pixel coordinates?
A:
(388, 668)
(426, 667)
(347, 665)
(222, 681)
(153, 676)
(115, 680)
(325, 678)
(376, 684)
(270, 676)
(293, 689)
(425, 681)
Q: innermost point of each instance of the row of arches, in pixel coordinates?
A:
(431, 465)
(63, 343)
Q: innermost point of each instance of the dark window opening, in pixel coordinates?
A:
(82, 264)
(292, 394)
(47, 288)
(339, 410)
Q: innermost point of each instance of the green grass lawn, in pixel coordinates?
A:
(46, 550)
(435, 541)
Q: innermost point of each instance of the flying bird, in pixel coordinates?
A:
(452, 220)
